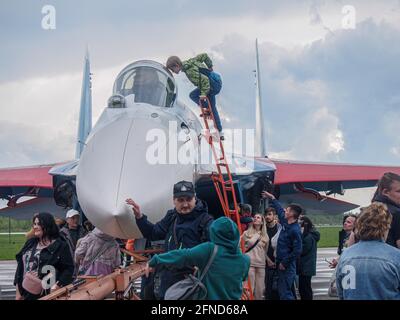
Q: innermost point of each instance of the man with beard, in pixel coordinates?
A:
(183, 227)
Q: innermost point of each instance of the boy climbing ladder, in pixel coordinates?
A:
(199, 71)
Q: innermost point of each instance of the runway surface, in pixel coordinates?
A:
(320, 283)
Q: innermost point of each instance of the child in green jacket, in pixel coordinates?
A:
(227, 271)
(199, 71)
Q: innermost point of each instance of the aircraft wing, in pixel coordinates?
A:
(33, 181)
(26, 209)
(302, 182)
(327, 205)
(308, 172)
(36, 176)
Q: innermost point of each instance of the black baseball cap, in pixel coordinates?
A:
(184, 189)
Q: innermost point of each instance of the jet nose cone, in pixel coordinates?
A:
(114, 167)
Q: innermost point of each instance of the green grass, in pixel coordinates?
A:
(329, 236)
(8, 249)
(16, 225)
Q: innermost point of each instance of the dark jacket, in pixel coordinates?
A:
(190, 230)
(65, 234)
(307, 265)
(57, 255)
(343, 237)
(227, 271)
(290, 241)
(394, 209)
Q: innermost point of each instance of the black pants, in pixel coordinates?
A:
(305, 289)
(271, 284)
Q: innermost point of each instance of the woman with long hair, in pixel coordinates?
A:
(42, 254)
(307, 266)
(256, 244)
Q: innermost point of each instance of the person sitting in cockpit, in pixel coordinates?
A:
(199, 71)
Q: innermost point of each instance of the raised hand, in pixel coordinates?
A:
(266, 194)
(135, 208)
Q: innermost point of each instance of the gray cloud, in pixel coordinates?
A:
(124, 30)
(352, 77)
(362, 71)
(23, 145)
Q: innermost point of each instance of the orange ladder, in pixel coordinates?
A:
(223, 186)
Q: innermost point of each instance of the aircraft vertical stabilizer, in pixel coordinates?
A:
(85, 114)
(260, 145)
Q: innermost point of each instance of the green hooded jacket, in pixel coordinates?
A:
(191, 69)
(229, 268)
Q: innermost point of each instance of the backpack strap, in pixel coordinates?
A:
(210, 260)
(254, 245)
(174, 232)
(203, 228)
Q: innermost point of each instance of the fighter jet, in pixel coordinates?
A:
(122, 156)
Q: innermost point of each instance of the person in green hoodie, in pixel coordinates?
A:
(224, 279)
(199, 70)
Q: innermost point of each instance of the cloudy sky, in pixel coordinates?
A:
(330, 92)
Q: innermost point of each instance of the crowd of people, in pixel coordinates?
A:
(63, 250)
(278, 260)
(368, 266)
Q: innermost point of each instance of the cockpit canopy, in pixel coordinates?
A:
(148, 81)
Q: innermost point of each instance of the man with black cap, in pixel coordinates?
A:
(185, 226)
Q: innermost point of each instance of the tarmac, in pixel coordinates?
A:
(320, 282)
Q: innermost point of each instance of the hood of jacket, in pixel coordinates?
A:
(224, 232)
(100, 234)
(315, 234)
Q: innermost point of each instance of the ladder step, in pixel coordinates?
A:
(228, 186)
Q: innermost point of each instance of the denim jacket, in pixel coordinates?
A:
(369, 270)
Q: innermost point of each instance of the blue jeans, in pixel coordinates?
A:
(285, 282)
(195, 96)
